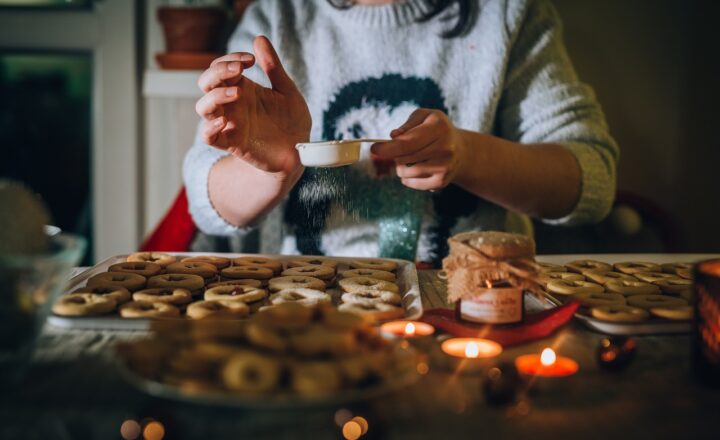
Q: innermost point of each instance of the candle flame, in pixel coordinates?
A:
(488, 283)
(547, 357)
(410, 329)
(472, 350)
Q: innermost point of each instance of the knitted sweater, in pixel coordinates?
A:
(362, 71)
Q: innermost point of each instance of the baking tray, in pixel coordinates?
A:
(279, 401)
(652, 326)
(406, 273)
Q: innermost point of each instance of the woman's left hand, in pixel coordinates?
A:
(428, 150)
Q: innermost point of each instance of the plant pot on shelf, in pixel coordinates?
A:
(192, 36)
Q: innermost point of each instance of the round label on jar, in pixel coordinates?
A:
(493, 306)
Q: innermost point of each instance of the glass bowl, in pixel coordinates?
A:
(29, 284)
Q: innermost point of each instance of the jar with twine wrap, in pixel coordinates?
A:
(478, 259)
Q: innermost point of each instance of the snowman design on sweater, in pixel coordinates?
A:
(369, 189)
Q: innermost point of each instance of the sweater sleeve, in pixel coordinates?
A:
(544, 102)
(201, 157)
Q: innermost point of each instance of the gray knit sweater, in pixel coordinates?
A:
(363, 71)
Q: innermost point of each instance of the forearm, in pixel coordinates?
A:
(241, 193)
(540, 180)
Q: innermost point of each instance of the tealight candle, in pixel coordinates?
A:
(546, 370)
(467, 355)
(407, 329)
(547, 364)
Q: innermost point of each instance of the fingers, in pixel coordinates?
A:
(434, 151)
(405, 145)
(269, 62)
(225, 71)
(433, 183)
(211, 130)
(210, 105)
(422, 170)
(416, 118)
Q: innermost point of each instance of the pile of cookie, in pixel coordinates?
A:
(286, 350)
(154, 285)
(623, 292)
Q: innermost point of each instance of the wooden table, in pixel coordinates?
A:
(73, 392)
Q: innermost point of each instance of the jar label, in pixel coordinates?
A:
(493, 306)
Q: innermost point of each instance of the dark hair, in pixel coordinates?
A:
(464, 12)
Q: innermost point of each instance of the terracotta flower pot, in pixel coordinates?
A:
(190, 29)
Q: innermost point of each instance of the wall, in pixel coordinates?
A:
(643, 59)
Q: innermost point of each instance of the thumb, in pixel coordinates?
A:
(416, 118)
(270, 63)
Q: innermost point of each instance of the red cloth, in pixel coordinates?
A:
(175, 231)
(536, 326)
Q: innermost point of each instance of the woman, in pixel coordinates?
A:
(485, 114)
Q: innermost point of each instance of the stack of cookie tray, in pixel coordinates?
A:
(407, 280)
(649, 327)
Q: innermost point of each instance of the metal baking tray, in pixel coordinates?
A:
(651, 326)
(407, 280)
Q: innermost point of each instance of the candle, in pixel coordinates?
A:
(407, 329)
(471, 348)
(547, 364)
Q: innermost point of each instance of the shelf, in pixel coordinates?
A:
(171, 84)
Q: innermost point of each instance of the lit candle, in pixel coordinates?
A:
(407, 329)
(547, 364)
(471, 348)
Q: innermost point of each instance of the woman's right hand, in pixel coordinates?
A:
(256, 124)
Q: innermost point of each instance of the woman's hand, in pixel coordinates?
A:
(256, 124)
(428, 150)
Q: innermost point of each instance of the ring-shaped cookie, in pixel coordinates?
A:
(117, 293)
(130, 281)
(169, 295)
(679, 313)
(620, 313)
(377, 264)
(566, 276)
(674, 267)
(246, 294)
(238, 282)
(251, 372)
(285, 316)
(651, 277)
(370, 273)
(359, 284)
(550, 267)
(219, 309)
(205, 270)
(274, 265)
(247, 272)
(684, 273)
(371, 296)
(83, 304)
(321, 272)
(581, 266)
(655, 301)
(219, 262)
(147, 309)
(378, 311)
(193, 283)
(318, 340)
(603, 277)
(306, 297)
(142, 268)
(632, 267)
(280, 283)
(312, 261)
(674, 286)
(563, 287)
(599, 299)
(628, 288)
(153, 257)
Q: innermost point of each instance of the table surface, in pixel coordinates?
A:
(74, 392)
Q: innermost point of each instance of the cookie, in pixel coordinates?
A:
(83, 304)
(169, 295)
(147, 309)
(290, 282)
(306, 297)
(130, 281)
(619, 313)
(219, 309)
(358, 284)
